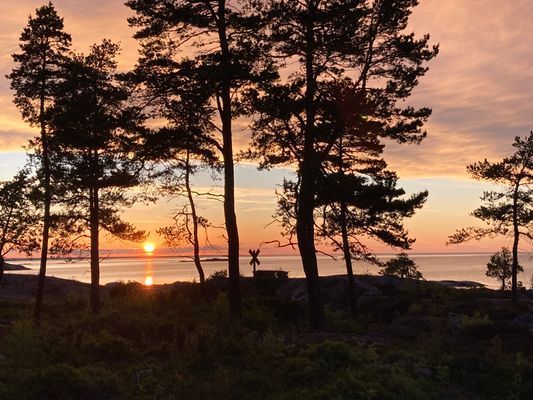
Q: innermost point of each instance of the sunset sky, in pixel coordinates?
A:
(480, 88)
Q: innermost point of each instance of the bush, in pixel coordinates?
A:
(24, 345)
(131, 289)
(107, 347)
(62, 381)
(218, 275)
(476, 324)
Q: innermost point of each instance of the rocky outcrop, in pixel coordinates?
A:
(22, 287)
(14, 267)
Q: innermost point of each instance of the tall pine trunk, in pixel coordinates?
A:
(231, 223)
(306, 245)
(516, 238)
(229, 173)
(47, 205)
(195, 240)
(305, 227)
(94, 218)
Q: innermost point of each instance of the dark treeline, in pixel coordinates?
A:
(324, 85)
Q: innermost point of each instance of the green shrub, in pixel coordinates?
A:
(109, 348)
(333, 355)
(218, 275)
(131, 289)
(24, 346)
(478, 323)
(76, 302)
(257, 317)
(62, 381)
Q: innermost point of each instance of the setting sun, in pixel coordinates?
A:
(148, 281)
(149, 247)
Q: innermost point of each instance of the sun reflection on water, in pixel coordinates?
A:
(148, 281)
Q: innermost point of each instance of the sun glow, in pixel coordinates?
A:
(148, 247)
(148, 281)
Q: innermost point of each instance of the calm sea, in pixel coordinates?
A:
(157, 270)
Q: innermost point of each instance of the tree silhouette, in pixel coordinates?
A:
(356, 196)
(401, 266)
(364, 207)
(508, 212)
(360, 44)
(500, 267)
(184, 145)
(97, 136)
(19, 219)
(38, 71)
(186, 222)
(225, 51)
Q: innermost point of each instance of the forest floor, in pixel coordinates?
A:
(410, 340)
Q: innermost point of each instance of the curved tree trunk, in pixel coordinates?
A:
(348, 261)
(195, 241)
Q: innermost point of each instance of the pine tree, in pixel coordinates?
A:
(39, 69)
(500, 267)
(509, 211)
(361, 44)
(401, 266)
(357, 197)
(97, 137)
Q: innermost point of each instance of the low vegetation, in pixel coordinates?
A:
(418, 341)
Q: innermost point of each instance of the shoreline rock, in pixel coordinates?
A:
(15, 267)
(334, 287)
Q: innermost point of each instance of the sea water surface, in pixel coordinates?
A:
(151, 269)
